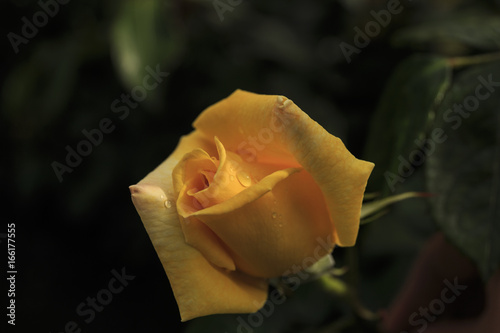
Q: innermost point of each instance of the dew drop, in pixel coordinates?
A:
(274, 215)
(168, 203)
(244, 178)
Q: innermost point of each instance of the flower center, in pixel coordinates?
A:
(208, 181)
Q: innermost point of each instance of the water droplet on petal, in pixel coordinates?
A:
(168, 203)
(275, 215)
(244, 178)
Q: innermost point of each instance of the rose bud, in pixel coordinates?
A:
(256, 191)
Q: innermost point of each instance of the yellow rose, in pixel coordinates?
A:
(245, 197)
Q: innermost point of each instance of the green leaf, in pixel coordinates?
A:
(369, 209)
(404, 111)
(145, 33)
(463, 172)
(389, 246)
(453, 35)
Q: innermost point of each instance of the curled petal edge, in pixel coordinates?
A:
(200, 288)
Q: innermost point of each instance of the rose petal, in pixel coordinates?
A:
(340, 175)
(272, 129)
(225, 184)
(246, 196)
(245, 123)
(192, 166)
(283, 231)
(162, 174)
(230, 192)
(189, 170)
(199, 287)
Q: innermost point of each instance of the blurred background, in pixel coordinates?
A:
(67, 66)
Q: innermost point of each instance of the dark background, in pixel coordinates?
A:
(71, 234)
